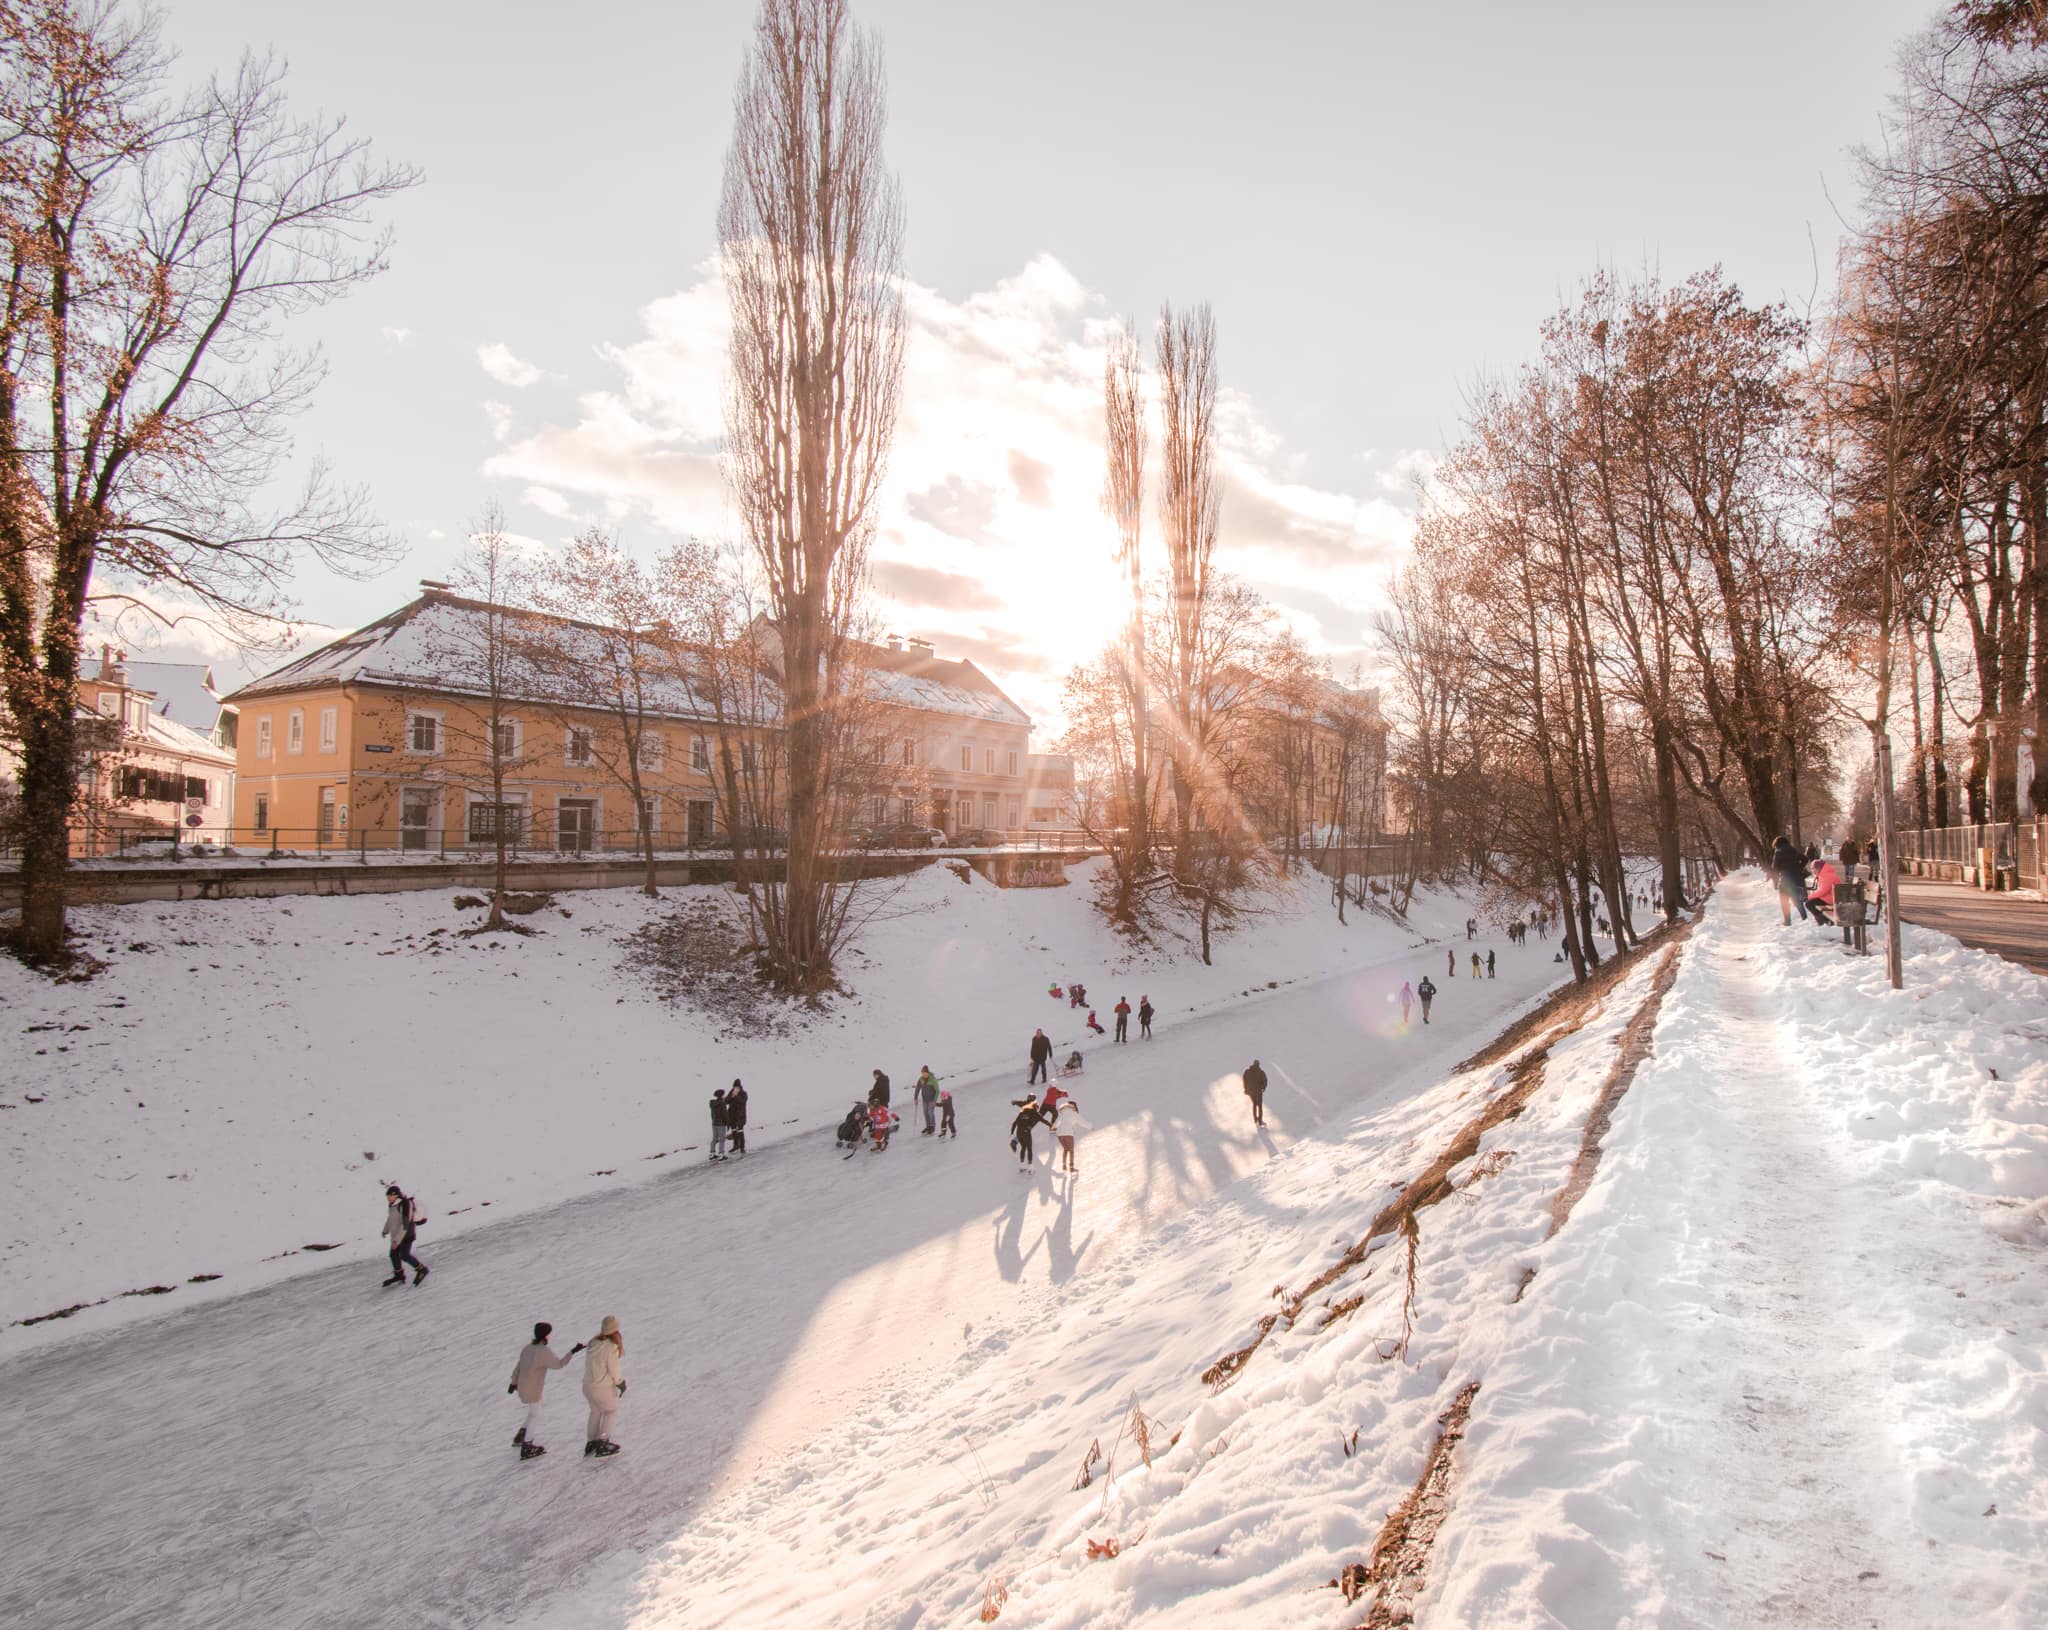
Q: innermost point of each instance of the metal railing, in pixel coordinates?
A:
(2015, 851)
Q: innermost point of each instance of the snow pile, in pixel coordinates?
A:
(233, 1092)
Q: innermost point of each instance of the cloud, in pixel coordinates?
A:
(990, 523)
(498, 361)
(499, 416)
(397, 336)
(926, 586)
(548, 502)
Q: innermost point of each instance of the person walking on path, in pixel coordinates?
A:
(1041, 1058)
(603, 1387)
(1407, 1002)
(1122, 1010)
(718, 1124)
(1788, 871)
(1069, 1125)
(879, 1092)
(927, 1093)
(1255, 1090)
(1145, 1017)
(402, 1219)
(529, 1375)
(1489, 964)
(1029, 1116)
(947, 1128)
(1425, 993)
(736, 1116)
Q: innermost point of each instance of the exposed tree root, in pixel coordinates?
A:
(1400, 1556)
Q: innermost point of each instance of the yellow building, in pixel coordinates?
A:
(381, 740)
(957, 748)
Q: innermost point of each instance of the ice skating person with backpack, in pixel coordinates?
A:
(1255, 1089)
(736, 1117)
(926, 1093)
(1041, 1057)
(402, 1219)
(529, 1376)
(1407, 1002)
(718, 1124)
(603, 1387)
(1425, 993)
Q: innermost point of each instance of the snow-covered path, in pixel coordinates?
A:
(328, 1452)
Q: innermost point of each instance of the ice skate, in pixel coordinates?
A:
(420, 1278)
(531, 1451)
(395, 1279)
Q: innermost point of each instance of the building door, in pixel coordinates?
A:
(416, 817)
(326, 814)
(699, 822)
(575, 823)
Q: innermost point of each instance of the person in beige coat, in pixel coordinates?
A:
(529, 1376)
(603, 1387)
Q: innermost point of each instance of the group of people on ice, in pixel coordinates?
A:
(875, 1120)
(729, 1121)
(1056, 1110)
(1076, 995)
(603, 1386)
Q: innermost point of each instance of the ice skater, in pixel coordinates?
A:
(1425, 993)
(1450, 964)
(878, 1093)
(402, 1219)
(718, 1124)
(1407, 1002)
(1489, 964)
(529, 1375)
(1041, 1057)
(736, 1117)
(1029, 1116)
(947, 1127)
(1145, 1017)
(881, 1122)
(1067, 1126)
(1475, 964)
(1255, 1090)
(1122, 1010)
(926, 1092)
(603, 1387)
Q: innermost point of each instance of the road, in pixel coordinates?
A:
(2012, 928)
(326, 1452)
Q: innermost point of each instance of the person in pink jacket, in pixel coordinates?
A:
(529, 1376)
(1822, 901)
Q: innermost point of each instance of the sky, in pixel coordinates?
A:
(1381, 203)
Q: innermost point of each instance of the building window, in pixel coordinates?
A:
(295, 731)
(263, 812)
(1013, 763)
(653, 749)
(1016, 812)
(909, 751)
(964, 810)
(988, 761)
(650, 817)
(263, 737)
(967, 760)
(579, 746)
(329, 732)
(327, 808)
(486, 819)
(423, 732)
(110, 705)
(138, 716)
(506, 739)
(988, 811)
(700, 755)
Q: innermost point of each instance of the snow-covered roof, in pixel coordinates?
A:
(916, 678)
(183, 690)
(437, 643)
(174, 737)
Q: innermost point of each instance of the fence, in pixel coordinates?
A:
(1956, 853)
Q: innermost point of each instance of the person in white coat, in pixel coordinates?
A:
(1067, 1128)
(603, 1387)
(529, 1376)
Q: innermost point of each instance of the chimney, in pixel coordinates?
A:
(895, 642)
(920, 647)
(111, 671)
(432, 586)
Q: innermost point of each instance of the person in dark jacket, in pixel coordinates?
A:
(948, 1128)
(879, 1092)
(1788, 871)
(926, 1092)
(1489, 964)
(1123, 1019)
(736, 1116)
(719, 1124)
(1029, 1116)
(1450, 964)
(1425, 993)
(1041, 1058)
(1145, 1017)
(1255, 1090)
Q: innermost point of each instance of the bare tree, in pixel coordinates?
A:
(811, 233)
(1123, 499)
(154, 251)
(1189, 509)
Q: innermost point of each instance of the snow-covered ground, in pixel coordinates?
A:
(246, 1076)
(1780, 1365)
